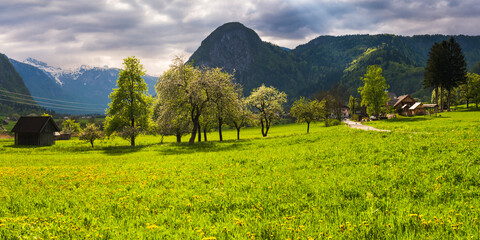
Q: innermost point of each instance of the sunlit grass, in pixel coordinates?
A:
(420, 180)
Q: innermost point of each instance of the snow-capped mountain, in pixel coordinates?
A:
(49, 70)
(80, 90)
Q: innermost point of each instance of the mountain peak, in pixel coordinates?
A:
(233, 29)
(231, 46)
(35, 62)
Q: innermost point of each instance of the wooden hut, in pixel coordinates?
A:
(431, 108)
(35, 131)
(403, 104)
(417, 109)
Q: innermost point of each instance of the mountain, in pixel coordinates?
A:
(402, 58)
(238, 49)
(324, 61)
(14, 95)
(75, 91)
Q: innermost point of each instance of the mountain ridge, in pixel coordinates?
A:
(325, 60)
(87, 86)
(15, 97)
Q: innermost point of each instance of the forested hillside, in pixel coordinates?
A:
(326, 60)
(14, 95)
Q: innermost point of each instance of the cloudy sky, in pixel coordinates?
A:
(68, 33)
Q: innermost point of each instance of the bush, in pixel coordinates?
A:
(356, 118)
(333, 122)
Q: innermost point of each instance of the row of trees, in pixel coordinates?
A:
(192, 98)
(466, 93)
(189, 99)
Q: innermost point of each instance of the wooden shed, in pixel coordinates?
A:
(417, 109)
(35, 131)
(403, 104)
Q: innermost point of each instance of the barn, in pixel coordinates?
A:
(35, 131)
(403, 105)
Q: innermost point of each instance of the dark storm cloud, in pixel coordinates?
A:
(102, 32)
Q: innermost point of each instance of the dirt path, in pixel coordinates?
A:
(358, 125)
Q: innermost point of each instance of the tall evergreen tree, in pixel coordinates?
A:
(446, 68)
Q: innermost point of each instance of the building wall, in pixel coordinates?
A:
(43, 139)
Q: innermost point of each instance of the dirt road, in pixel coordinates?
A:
(358, 125)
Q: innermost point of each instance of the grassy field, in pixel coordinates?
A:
(422, 180)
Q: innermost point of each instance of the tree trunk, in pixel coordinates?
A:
(132, 138)
(448, 100)
(436, 95)
(205, 133)
(441, 100)
(194, 129)
(267, 126)
(238, 133)
(308, 127)
(199, 133)
(91, 142)
(263, 127)
(179, 137)
(220, 122)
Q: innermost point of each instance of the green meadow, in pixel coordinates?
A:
(421, 180)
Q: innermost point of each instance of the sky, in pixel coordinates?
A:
(67, 34)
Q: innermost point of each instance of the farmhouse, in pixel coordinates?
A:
(407, 106)
(35, 131)
(403, 105)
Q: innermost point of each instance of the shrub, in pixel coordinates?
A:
(356, 118)
(333, 122)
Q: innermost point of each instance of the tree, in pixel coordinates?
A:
(476, 68)
(208, 120)
(373, 92)
(91, 133)
(475, 88)
(223, 93)
(189, 90)
(308, 111)
(240, 115)
(267, 101)
(70, 126)
(334, 100)
(171, 120)
(446, 68)
(443, 96)
(352, 104)
(470, 90)
(130, 110)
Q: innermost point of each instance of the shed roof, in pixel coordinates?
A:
(416, 105)
(31, 124)
(402, 98)
(430, 105)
